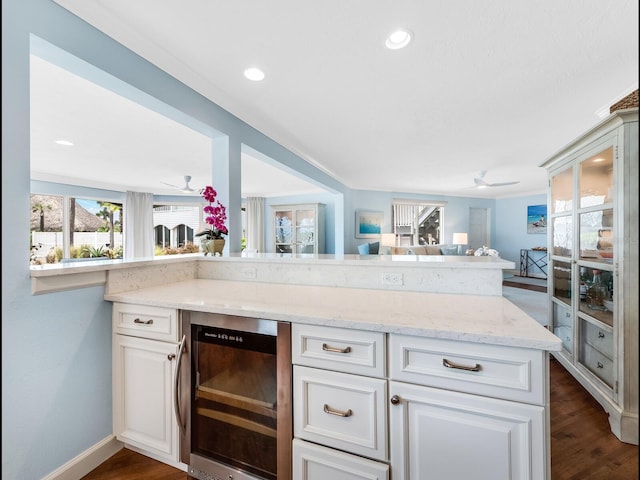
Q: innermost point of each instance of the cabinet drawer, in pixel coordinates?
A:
(145, 321)
(498, 371)
(562, 315)
(598, 338)
(339, 410)
(351, 351)
(597, 363)
(566, 335)
(315, 462)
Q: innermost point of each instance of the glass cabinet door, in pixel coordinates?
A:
(562, 283)
(596, 179)
(596, 213)
(283, 230)
(305, 231)
(596, 246)
(296, 229)
(561, 213)
(562, 191)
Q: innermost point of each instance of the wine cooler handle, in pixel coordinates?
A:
(176, 388)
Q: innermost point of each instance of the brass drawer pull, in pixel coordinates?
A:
(327, 348)
(143, 322)
(449, 364)
(337, 413)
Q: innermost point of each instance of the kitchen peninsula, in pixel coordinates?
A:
(439, 354)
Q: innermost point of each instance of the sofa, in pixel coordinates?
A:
(374, 248)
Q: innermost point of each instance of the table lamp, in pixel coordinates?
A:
(387, 240)
(460, 239)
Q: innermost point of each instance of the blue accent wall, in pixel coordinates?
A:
(511, 227)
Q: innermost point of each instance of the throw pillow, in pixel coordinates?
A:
(449, 250)
(363, 249)
(433, 250)
(374, 247)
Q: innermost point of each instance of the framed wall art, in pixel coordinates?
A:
(537, 219)
(369, 223)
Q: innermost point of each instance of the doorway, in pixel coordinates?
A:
(479, 221)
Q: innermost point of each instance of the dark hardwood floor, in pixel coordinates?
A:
(582, 445)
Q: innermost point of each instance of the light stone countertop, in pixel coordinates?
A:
(405, 261)
(470, 318)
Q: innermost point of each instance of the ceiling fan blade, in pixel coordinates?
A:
(502, 184)
(170, 185)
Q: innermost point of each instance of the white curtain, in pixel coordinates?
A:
(138, 225)
(255, 223)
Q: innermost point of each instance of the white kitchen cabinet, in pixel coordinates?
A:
(340, 403)
(340, 410)
(145, 345)
(593, 264)
(438, 433)
(451, 410)
(471, 410)
(298, 228)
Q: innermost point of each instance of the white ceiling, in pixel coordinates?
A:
(497, 86)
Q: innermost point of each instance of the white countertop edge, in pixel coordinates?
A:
(404, 261)
(513, 328)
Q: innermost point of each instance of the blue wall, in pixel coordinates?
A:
(511, 227)
(56, 348)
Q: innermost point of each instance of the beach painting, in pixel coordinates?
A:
(537, 219)
(369, 224)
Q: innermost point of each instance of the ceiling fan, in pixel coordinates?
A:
(482, 183)
(187, 188)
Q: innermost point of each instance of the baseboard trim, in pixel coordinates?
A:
(88, 460)
(525, 286)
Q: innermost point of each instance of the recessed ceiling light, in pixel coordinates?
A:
(399, 39)
(65, 142)
(254, 74)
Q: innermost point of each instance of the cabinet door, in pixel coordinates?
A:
(283, 228)
(306, 219)
(439, 434)
(315, 462)
(298, 229)
(143, 395)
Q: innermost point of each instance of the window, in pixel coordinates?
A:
(417, 222)
(65, 228)
(175, 226)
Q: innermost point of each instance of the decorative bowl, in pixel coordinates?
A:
(608, 305)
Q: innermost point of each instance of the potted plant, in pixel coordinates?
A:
(215, 216)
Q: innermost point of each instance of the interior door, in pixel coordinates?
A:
(479, 228)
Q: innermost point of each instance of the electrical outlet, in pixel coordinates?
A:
(392, 279)
(249, 272)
